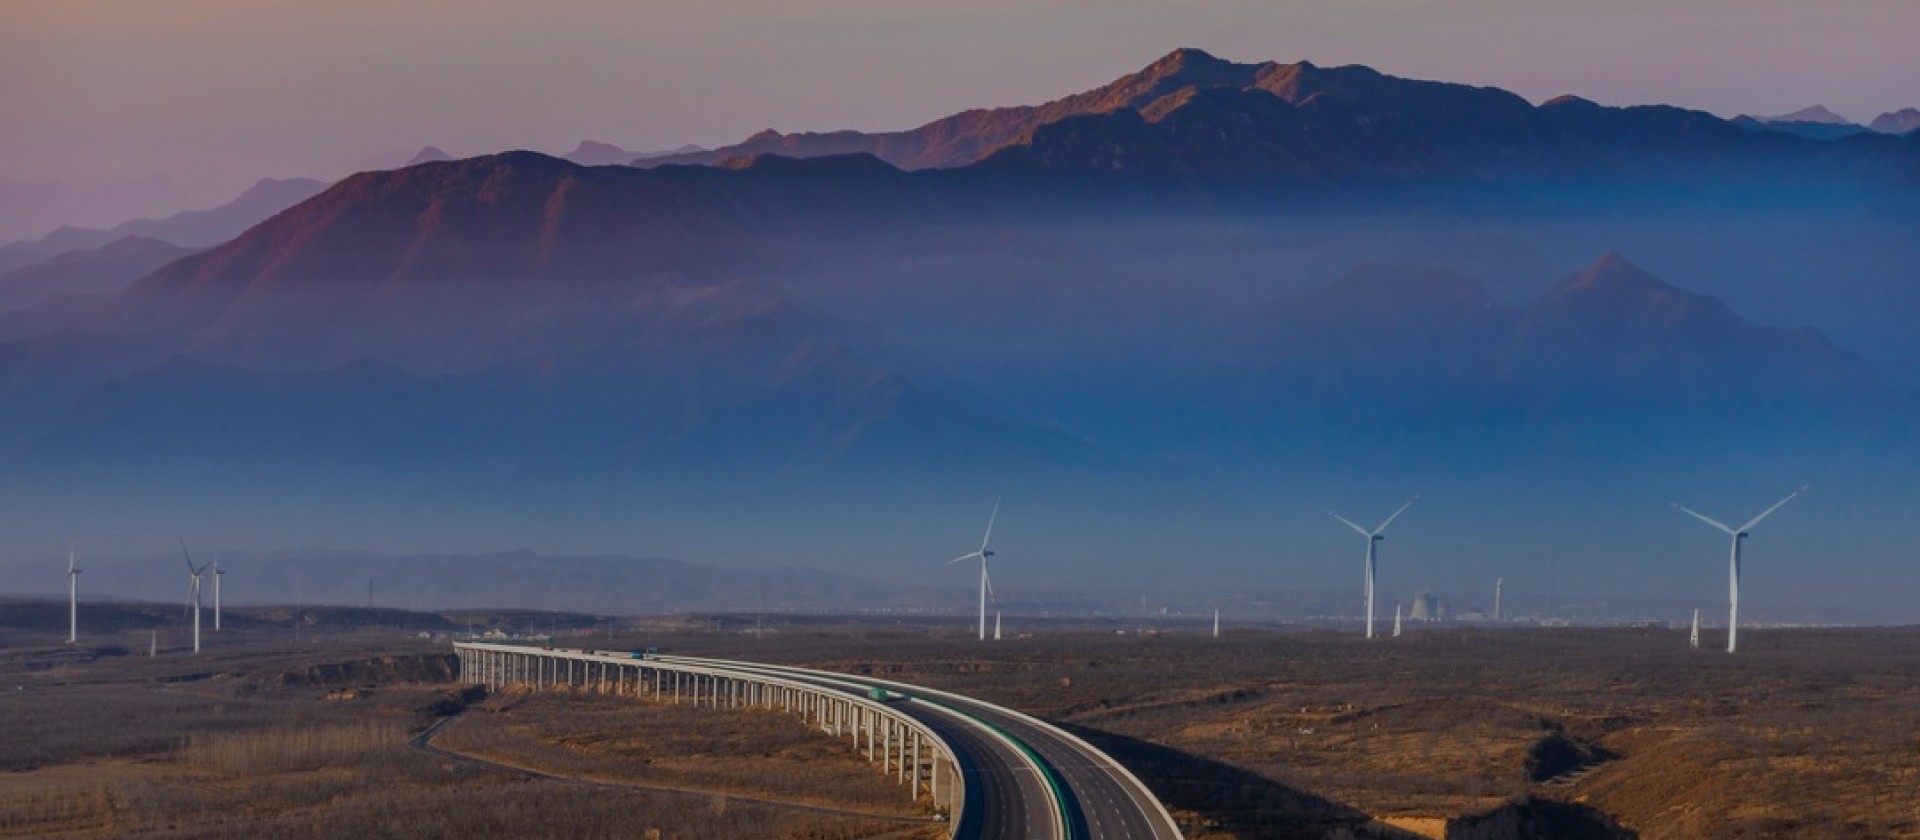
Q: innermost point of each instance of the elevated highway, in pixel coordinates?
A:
(998, 774)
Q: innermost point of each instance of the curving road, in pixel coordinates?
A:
(1094, 797)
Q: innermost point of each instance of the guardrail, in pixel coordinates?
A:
(1106, 763)
(1056, 799)
(918, 756)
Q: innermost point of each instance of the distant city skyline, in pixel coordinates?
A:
(218, 93)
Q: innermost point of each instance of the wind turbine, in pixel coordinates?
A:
(1496, 597)
(1396, 621)
(1733, 557)
(1373, 537)
(1693, 641)
(1216, 622)
(73, 600)
(193, 593)
(983, 554)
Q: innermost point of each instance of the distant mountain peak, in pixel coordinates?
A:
(595, 147)
(1614, 296)
(1811, 114)
(1186, 59)
(1903, 121)
(1175, 71)
(1612, 274)
(596, 153)
(1567, 100)
(429, 154)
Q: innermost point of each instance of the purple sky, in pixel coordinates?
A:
(220, 92)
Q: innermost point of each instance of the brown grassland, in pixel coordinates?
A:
(262, 737)
(1461, 732)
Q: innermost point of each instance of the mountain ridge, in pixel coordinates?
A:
(188, 229)
(1903, 121)
(1348, 113)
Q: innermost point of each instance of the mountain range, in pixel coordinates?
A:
(89, 271)
(33, 205)
(596, 153)
(1817, 123)
(1138, 305)
(1903, 121)
(190, 229)
(1195, 115)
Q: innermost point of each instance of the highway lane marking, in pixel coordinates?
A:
(1007, 721)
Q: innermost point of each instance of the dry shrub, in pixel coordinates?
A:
(288, 750)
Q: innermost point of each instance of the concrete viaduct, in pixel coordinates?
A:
(995, 773)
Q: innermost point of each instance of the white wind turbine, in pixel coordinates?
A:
(983, 554)
(73, 600)
(1733, 557)
(193, 593)
(1373, 538)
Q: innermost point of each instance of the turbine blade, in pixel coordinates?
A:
(189, 555)
(1776, 506)
(1703, 518)
(1396, 515)
(1350, 523)
(969, 556)
(69, 559)
(990, 517)
(987, 578)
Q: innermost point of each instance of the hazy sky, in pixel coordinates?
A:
(220, 92)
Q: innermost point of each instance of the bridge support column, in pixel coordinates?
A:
(933, 784)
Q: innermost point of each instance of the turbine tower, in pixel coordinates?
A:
(1396, 621)
(73, 600)
(1216, 622)
(218, 573)
(1373, 537)
(1693, 641)
(193, 592)
(1496, 597)
(983, 554)
(1733, 558)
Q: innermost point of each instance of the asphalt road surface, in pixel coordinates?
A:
(1099, 801)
